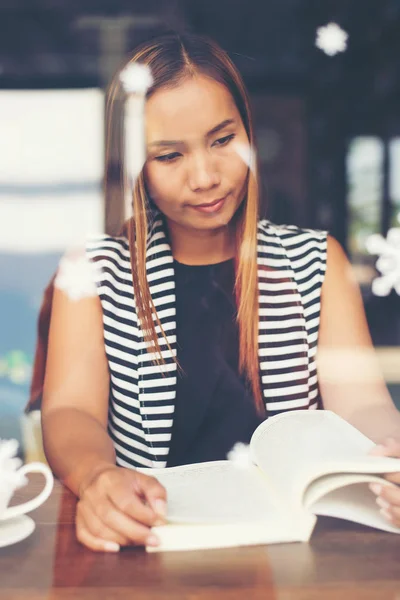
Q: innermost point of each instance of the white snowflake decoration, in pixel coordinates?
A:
(9, 465)
(331, 39)
(136, 78)
(388, 263)
(77, 276)
(246, 153)
(240, 455)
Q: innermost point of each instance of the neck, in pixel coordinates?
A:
(199, 247)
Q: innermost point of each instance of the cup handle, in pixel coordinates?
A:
(25, 507)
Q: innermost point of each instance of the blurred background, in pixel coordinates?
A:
(327, 124)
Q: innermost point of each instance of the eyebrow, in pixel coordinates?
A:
(212, 131)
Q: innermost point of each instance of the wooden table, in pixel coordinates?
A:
(343, 561)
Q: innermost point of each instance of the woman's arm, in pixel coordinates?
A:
(117, 506)
(350, 380)
(75, 397)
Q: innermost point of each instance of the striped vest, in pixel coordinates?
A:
(291, 267)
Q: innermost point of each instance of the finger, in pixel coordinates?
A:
(388, 500)
(134, 506)
(394, 512)
(394, 446)
(390, 447)
(92, 542)
(391, 513)
(393, 477)
(379, 450)
(154, 493)
(95, 527)
(124, 525)
(126, 493)
(391, 495)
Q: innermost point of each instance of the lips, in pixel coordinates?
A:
(213, 203)
(212, 207)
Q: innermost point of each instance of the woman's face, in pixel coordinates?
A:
(194, 172)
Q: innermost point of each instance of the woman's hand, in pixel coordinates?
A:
(388, 498)
(117, 507)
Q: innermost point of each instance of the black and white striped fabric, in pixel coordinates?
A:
(291, 268)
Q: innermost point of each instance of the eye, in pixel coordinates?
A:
(224, 140)
(167, 157)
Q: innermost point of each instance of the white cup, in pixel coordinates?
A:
(7, 489)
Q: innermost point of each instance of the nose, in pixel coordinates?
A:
(202, 172)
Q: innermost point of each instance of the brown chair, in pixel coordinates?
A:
(39, 364)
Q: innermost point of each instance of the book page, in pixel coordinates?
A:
(348, 497)
(196, 537)
(217, 492)
(295, 447)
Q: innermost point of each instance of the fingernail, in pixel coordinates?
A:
(386, 514)
(376, 488)
(111, 547)
(160, 507)
(383, 503)
(152, 540)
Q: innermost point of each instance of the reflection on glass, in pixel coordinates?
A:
(364, 165)
(51, 168)
(394, 180)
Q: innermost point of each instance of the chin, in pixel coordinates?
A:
(211, 224)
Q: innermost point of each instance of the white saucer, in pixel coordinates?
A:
(15, 530)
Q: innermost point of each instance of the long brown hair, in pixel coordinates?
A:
(172, 58)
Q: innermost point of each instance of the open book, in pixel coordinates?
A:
(302, 464)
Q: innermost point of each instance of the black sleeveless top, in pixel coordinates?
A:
(214, 407)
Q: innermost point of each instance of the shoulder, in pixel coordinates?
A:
(336, 254)
(339, 270)
(82, 268)
(296, 240)
(291, 231)
(106, 250)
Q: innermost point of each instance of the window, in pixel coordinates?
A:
(51, 167)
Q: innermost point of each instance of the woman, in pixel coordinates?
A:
(228, 318)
